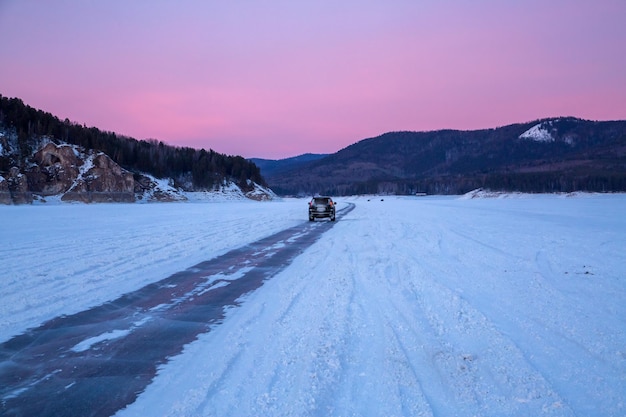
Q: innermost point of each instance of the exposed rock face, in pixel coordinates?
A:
(75, 174)
(56, 169)
(104, 181)
(18, 187)
(5, 194)
(68, 171)
(79, 176)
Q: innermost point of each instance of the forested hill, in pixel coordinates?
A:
(550, 155)
(191, 169)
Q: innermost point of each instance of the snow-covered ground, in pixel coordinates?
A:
(408, 306)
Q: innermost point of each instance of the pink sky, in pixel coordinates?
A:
(275, 79)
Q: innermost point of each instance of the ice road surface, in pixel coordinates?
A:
(423, 306)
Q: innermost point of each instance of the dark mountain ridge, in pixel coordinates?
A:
(549, 155)
(273, 167)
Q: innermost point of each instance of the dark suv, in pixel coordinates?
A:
(321, 207)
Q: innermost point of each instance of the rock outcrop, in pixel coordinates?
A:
(68, 171)
(18, 187)
(71, 173)
(102, 181)
(5, 194)
(79, 176)
(55, 169)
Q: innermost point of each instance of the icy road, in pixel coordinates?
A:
(407, 307)
(95, 362)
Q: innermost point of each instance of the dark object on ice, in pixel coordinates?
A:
(320, 207)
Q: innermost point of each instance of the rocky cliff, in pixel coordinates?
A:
(79, 175)
(68, 171)
(74, 174)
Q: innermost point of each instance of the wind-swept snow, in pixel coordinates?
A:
(408, 306)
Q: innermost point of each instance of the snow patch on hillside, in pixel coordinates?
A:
(229, 191)
(538, 133)
(88, 164)
(481, 193)
(259, 192)
(161, 189)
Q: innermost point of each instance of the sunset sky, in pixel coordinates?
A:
(274, 79)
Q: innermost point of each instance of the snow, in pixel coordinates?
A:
(62, 258)
(84, 168)
(87, 344)
(431, 306)
(163, 186)
(481, 193)
(538, 133)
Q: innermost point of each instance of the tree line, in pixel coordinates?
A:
(536, 182)
(192, 169)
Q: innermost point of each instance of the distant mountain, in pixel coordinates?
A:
(273, 167)
(549, 155)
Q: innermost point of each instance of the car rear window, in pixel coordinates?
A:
(321, 200)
